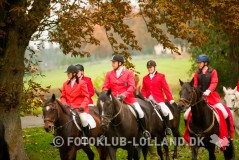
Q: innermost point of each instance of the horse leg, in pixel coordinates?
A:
(211, 150)
(103, 152)
(89, 152)
(165, 146)
(131, 149)
(194, 152)
(136, 153)
(160, 153)
(229, 153)
(112, 152)
(68, 153)
(177, 139)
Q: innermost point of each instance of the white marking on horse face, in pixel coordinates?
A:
(230, 97)
(47, 108)
(102, 104)
(110, 98)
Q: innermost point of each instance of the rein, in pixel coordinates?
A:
(112, 117)
(55, 128)
(188, 103)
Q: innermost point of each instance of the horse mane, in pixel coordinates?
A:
(64, 109)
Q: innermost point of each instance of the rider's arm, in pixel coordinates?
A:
(90, 88)
(214, 81)
(144, 88)
(84, 93)
(131, 84)
(195, 79)
(106, 85)
(166, 89)
(63, 95)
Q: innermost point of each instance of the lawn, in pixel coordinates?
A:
(36, 142)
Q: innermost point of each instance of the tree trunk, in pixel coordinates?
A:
(11, 83)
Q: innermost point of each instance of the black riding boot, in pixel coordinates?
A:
(142, 123)
(228, 127)
(185, 122)
(85, 135)
(166, 122)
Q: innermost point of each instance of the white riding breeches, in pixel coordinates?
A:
(163, 107)
(138, 109)
(83, 118)
(218, 105)
(222, 108)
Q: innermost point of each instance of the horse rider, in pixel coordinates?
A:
(121, 82)
(75, 94)
(154, 87)
(238, 86)
(88, 81)
(206, 79)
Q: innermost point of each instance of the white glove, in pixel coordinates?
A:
(171, 101)
(207, 92)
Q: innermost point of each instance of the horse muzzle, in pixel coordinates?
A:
(48, 126)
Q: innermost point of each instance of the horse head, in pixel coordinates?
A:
(105, 105)
(51, 113)
(189, 95)
(230, 97)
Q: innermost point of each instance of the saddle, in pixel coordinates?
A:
(76, 120)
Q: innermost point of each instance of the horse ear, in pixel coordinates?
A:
(97, 92)
(192, 82)
(53, 98)
(181, 82)
(108, 92)
(235, 89)
(224, 90)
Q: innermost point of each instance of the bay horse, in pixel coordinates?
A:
(232, 101)
(4, 152)
(59, 118)
(202, 122)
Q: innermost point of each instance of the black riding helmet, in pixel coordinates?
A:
(151, 63)
(117, 58)
(71, 69)
(79, 67)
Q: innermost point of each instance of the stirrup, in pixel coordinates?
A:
(168, 131)
(84, 141)
(146, 134)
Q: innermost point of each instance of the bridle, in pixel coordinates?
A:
(110, 117)
(54, 128)
(191, 103)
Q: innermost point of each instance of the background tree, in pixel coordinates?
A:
(72, 24)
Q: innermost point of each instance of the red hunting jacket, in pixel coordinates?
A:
(125, 84)
(213, 97)
(157, 87)
(90, 87)
(76, 97)
(238, 85)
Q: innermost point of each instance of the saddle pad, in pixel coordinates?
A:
(91, 121)
(132, 110)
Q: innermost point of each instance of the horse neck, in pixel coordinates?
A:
(201, 114)
(117, 110)
(62, 117)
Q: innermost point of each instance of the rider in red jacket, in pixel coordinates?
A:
(238, 86)
(88, 82)
(154, 87)
(121, 82)
(75, 94)
(206, 79)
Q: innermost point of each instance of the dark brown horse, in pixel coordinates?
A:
(4, 153)
(60, 119)
(202, 123)
(119, 125)
(173, 124)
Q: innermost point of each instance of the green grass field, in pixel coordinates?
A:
(37, 141)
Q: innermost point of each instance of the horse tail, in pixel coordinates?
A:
(4, 152)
